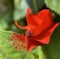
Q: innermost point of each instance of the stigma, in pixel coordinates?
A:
(29, 34)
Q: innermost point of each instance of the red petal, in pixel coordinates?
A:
(43, 20)
(22, 27)
(44, 12)
(32, 18)
(47, 21)
(30, 44)
(45, 38)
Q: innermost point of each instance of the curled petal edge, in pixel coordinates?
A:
(21, 27)
(46, 40)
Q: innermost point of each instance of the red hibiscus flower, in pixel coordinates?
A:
(39, 28)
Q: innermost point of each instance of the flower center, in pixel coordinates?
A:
(29, 34)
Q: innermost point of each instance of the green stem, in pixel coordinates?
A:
(35, 5)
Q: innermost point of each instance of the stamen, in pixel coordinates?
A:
(17, 40)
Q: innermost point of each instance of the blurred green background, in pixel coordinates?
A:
(11, 10)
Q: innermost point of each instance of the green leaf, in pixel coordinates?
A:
(35, 5)
(7, 51)
(16, 3)
(20, 10)
(4, 43)
(35, 54)
(3, 24)
(30, 56)
(53, 5)
(38, 53)
(52, 50)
